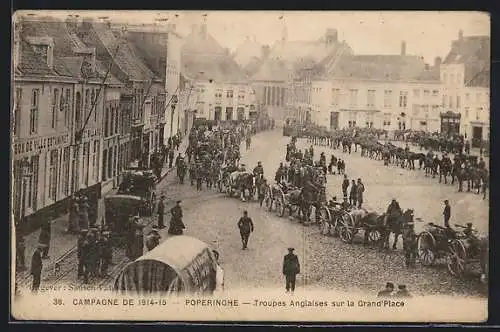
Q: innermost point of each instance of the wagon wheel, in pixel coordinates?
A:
(282, 206)
(456, 258)
(267, 199)
(346, 228)
(325, 221)
(426, 246)
(374, 236)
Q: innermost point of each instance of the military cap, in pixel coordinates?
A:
(469, 224)
(291, 248)
(162, 197)
(179, 201)
(446, 201)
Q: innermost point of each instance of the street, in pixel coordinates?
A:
(326, 262)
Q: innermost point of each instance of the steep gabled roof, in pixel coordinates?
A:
(152, 52)
(200, 41)
(32, 64)
(474, 53)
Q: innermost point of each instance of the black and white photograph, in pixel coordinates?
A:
(250, 165)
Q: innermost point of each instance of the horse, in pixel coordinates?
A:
(444, 169)
(395, 224)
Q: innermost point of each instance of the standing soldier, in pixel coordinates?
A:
(262, 191)
(353, 194)
(36, 267)
(152, 239)
(339, 166)
(447, 214)
(345, 185)
(361, 190)
(410, 245)
(73, 224)
(245, 224)
(199, 176)
(44, 238)
(84, 213)
(192, 171)
(106, 254)
(176, 224)
(93, 253)
(291, 267)
(161, 212)
(170, 157)
(20, 249)
(80, 252)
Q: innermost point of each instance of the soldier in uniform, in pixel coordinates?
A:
(153, 239)
(199, 176)
(258, 170)
(161, 212)
(105, 254)
(387, 291)
(170, 156)
(402, 292)
(410, 245)
(262, 191)
(360, 189)
(36, 267)
(80, 251)
(192, 171)
(93, 253)
(345, 185)
(44, 238)
(291, 267)
(245, 225)
(353, 194)
(339, 166)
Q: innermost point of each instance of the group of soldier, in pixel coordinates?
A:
(94, 252)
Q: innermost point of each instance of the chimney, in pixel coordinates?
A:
(403, 48)
(460, 34)
(264, 51)
(44, 48)
(331, 36)
(437, 62)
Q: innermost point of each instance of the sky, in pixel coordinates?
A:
(428, 34)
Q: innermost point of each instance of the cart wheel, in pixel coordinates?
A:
(456, 259)
(346, 234)
(277, 206)
(335, 228)
(374, 235)
(425, 249)
(281, 209)
(324, 223)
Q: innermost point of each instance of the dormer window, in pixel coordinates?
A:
(43, 47)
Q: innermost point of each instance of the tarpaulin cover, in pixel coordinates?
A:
(181, 264)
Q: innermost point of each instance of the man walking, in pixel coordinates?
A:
(361, 189)
(161, 212)
(291, 267)
(44, 238)
(245, 224)
(353, 194)
(36, 267)
(447, 214)
(345, 185)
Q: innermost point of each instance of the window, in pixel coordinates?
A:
(33, 184)
(53, 175)
(416, 93)
(55, 101)
(425, 108)
(229, 93)
(86, 105)
(78, 111)
(459, 78)
(86, 163)
(335, 96)
(35, 101)
(65, 171)
(452, 78)
(93, 107)
(17, 112)
(426, 93)
(467, 109)
(450, 102)
(106, 123)
(467, 96)
(353, 97)
(387, 98)
(415, 109)
(478, 112)
(403, 99)
(116, 119)
(104, 165)
(458, 101)
(435, 93)
(370, 98)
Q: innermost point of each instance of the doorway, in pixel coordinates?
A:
(477, 136)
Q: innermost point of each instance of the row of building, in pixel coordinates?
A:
(324, 82)
(90, 98)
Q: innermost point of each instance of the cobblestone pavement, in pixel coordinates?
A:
(326, 262)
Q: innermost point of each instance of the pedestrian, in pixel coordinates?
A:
(176, 224)
(447, 214)
(84, 213)
(353, 194)
(138, 249)
(36, 267)
(170, 157)
(342, 165)
(80, 244)
(345, 185)
(20, 253)
(93, 252)
(361, 190)
(86, 257)
(44, 238)
(262, 191)
(402, 292)
(73, 224)
(245, 225)
(106, 254)
(161, 212)
(410, 245)
(291, 267)
(387, 291)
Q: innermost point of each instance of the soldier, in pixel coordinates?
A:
(44, 238)
(36, 267)
(262, 191)
(345, 185)
(291, 267)
(161, 212)
(20, 253)
(192, 171)
(360, 189)
(138, 238)
(93, 252)
(481, 164)
(73, 224)
(353, 194)
(80, 252)
(447, 214)
(84, 212)
(170, 156)
(199, 176)
(258, 170)
(387, 291)
(106, 254)
(339, 167)
(245, 225)
(467, 147)
(280, 173)
(410, 245)
(402, 292)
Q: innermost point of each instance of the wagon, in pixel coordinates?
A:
(461, 254)
(140, 183)
(328, 219)
(432, 244)
(350, 223)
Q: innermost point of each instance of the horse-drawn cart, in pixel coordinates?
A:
(350, 223)
(140, 183)
(238, 183)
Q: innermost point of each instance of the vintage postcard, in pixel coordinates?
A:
(250, 166)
